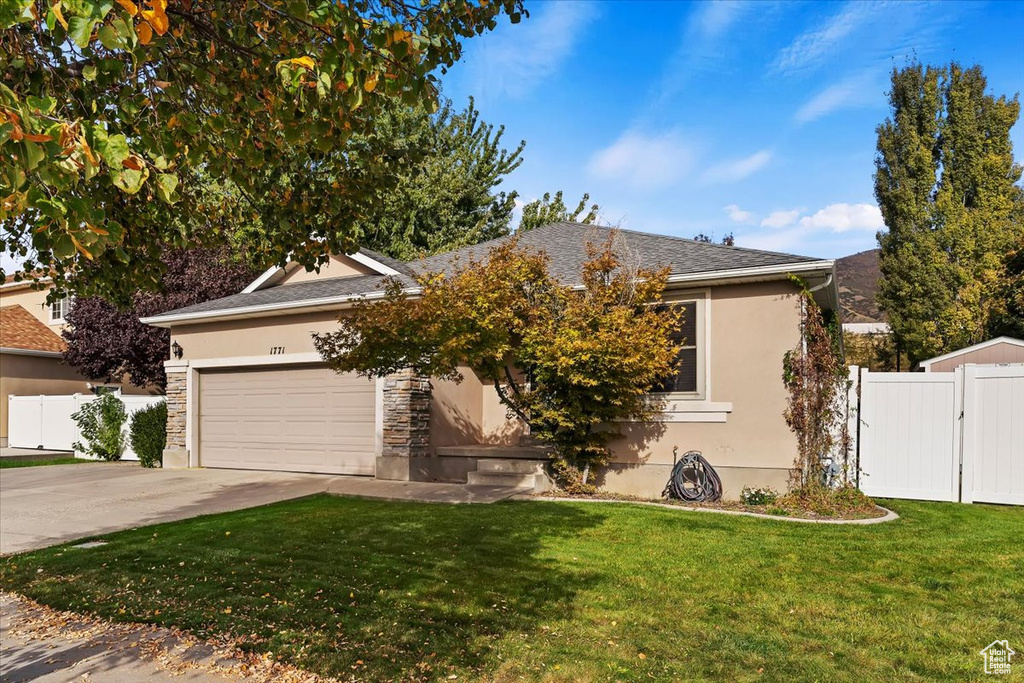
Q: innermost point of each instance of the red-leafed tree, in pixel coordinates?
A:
(108, 343)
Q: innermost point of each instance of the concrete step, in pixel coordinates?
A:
(522, 481)
(510, 466)
(484, 451)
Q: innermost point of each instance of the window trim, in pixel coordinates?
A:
(65, 305)
(701, 300)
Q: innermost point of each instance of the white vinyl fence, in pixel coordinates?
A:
(952, 436)
(45, 421)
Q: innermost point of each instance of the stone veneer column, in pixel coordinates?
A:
(176, 451)
(406, 426)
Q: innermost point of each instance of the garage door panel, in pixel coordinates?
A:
(307, 419)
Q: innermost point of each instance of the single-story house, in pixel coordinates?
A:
(247, 389)
(1000, 350)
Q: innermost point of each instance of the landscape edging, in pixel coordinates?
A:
(889, 516)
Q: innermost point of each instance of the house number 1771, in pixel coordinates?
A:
(276, 350)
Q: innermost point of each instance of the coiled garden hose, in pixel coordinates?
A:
(693, 480)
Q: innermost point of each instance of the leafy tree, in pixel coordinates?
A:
(112, 112)
(109, 343)
(101, 423)
(1008, 318)
(550, 209)
(568, 362)
(728, 240)
(945, 182)
(444, 198)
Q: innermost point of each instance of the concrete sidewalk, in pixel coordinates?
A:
(43, 506)
(39, 644)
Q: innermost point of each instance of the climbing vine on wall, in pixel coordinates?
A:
(816, 378)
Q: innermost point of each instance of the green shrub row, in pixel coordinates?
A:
(101, 423)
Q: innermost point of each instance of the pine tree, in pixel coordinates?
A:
(444, 194)
(945, 182)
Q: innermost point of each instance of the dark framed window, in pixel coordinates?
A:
(685, 380)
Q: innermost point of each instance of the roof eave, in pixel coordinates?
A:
(15, 351)
(267, 310)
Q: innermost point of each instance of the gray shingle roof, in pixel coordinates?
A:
(312, 290)
(566, 246)
(564, 243)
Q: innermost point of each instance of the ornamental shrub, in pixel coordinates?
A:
(149, 434)
(759, 496)
(101, 423)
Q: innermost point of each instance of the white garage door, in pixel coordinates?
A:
(296, 419)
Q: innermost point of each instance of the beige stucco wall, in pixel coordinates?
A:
(32, 300)
(750, 327)
(32, 376)
(253, 337)
(338, 266)
(997, 353)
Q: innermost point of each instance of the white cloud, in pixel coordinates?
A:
(860, 89)
(644, 161)
(712, 19)
(731, 171)
(839, 228)
(844, 217)
(515, 60)
(737, 214)
(810, 47)
(780, 219)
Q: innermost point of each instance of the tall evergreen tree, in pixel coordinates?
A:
(945, 182)
(550, 209)
(444, 196)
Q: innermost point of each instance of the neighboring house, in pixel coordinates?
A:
(31, 348)
(30, 354)
(1001, 350)
(249, 391)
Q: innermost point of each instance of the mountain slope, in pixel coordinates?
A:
(858, 281)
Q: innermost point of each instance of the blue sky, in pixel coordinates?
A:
(754, 118)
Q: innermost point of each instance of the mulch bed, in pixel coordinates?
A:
(780, 508)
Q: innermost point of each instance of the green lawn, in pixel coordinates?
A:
(565, 592)
(11, 462)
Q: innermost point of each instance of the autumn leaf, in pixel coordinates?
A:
(130, 6)
(157, 17)
(59, 15)
(145, 33)
(371, 83)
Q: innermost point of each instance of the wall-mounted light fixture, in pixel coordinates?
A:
(177, 350)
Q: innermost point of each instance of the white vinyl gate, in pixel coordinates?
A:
(45, 421)
(952, 436)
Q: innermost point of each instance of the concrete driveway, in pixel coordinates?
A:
(42, 506)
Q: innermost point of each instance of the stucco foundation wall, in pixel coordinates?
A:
(34, 376)
(648, 481)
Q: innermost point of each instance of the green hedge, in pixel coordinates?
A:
(149, 434)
